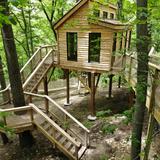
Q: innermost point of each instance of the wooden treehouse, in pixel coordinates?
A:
(90, 39)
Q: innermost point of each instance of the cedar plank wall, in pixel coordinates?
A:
(79, 23)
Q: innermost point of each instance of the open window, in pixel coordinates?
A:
(114, 42)
(72, 46)
(105, 15)
(96, 13)
(112, 16)
(94, 47)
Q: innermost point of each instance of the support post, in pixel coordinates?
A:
(45, 82)
(110, 85)
(119, 81)
(68, 89)
(92, 109)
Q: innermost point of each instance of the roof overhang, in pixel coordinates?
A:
(113, 24)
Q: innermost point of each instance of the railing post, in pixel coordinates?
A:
(46, 105)
(76, 151)
(130, 70)
(9, 97)
(30, 98)
(40, 53)
(4, 120)
(46, 50)
(31, 115)
(86, 139)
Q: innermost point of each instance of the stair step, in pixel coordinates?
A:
(81, 151)
(69, 146)
(62, 140)
(47, 127)
(58, 136)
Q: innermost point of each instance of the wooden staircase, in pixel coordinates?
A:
(60, 139)
(65, 139)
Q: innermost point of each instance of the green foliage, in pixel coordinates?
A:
(103, 114)
(129, 116)
(108, 128)
(58, 74)
(88, 124)
(103, 157)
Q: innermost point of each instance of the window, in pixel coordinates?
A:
(105, 15)
(114, 42)
(129, 41)
(72, 46)
(111, 16)
(94, 47)
(96, 12)
(121, 41)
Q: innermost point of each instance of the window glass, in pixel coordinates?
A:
(72, 46)
(114, 42)
(111, 16)
(94, 47)
(105, 15)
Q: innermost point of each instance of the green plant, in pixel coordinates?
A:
(129, 116)
(88, 124)
(103, 114)
(108, 128)
(103, 157)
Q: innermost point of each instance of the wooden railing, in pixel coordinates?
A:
(33, 112)
(61, 116)
(153, 75)
(28, 68)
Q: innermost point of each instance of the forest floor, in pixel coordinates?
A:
(110, 133)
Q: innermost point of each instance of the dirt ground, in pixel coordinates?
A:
(114, 144)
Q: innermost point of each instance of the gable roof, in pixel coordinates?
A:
(69, 13)
(74, 9)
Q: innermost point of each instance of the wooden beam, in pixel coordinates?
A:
(110, 85)
(45, 84)
(119, 81)
(67, 86)
(92, 103)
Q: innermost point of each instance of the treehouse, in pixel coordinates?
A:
(91, 39)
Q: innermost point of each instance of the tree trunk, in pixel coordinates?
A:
(26, 139)
(3, 82)
(142, 74)
(3, 86)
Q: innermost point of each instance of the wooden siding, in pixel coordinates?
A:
(103, 8)
(79, 23)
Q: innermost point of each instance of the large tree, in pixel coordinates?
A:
(25, 138)
(142, 45)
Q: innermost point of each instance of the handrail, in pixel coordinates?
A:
(39, 65)
(59, 107)
(30, 60)
(37, 110)
(26, 64)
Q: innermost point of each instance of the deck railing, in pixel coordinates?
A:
(61, 116)
(27, 69)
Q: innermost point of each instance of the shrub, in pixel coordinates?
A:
(108, 128)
